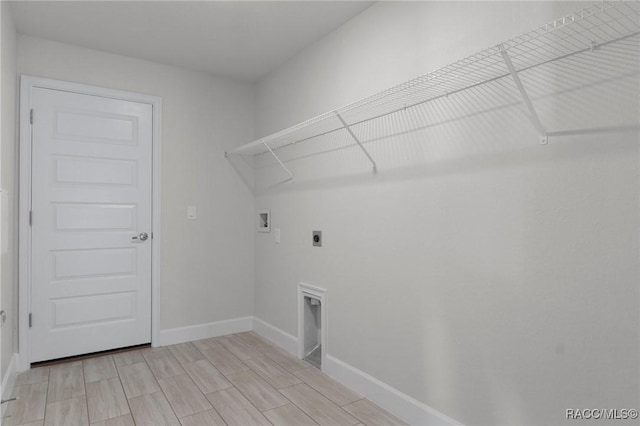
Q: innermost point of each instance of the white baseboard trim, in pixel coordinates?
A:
(190, 333)
(286, 341)
(401, 405)
(9, 380)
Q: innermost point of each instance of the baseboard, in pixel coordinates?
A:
(403, 406)
(9, 380)
(190, 333)
(399, 404)
(281, 338)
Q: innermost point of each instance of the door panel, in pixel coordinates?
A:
(91, 193)
(75, 311)
(86, 126)
(95, 217)
(94, 171)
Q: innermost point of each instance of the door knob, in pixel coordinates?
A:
(142, 237)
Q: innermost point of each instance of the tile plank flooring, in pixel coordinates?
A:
(240, 379)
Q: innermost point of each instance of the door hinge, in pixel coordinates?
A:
(30, 319)
(30, 217)
(31, 116)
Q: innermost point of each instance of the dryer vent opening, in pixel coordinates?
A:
(312, 331)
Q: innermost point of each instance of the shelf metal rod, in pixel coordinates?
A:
(355, 138)
(291, 177)
(533, 115)
(595, 131)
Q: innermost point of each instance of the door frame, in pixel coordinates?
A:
(27, 84)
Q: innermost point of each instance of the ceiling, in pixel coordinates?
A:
(240, 39)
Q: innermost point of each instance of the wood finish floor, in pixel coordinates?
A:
(239, 379)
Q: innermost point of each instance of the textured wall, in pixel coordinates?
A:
(207, 264)
(489, 277)
(8, 184)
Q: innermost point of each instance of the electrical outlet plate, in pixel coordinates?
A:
(191, 212)
(317, 238)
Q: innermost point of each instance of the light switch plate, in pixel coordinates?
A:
(276, 235)
(191, 212)
(264, 220)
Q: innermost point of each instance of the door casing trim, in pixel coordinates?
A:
(27, 84)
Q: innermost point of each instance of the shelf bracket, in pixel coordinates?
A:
(279, 161)
(533, 115)
(355, 138)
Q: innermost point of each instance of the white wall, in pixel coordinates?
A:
(207, 264)
(8, 184)
(488, 277)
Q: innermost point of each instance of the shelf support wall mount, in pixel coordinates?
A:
(533, 115)
(355, 138)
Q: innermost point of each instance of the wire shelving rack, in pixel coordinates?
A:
(614, 25)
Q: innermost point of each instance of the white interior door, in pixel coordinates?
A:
(91, 200)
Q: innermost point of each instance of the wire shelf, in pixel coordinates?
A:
(608, 26)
